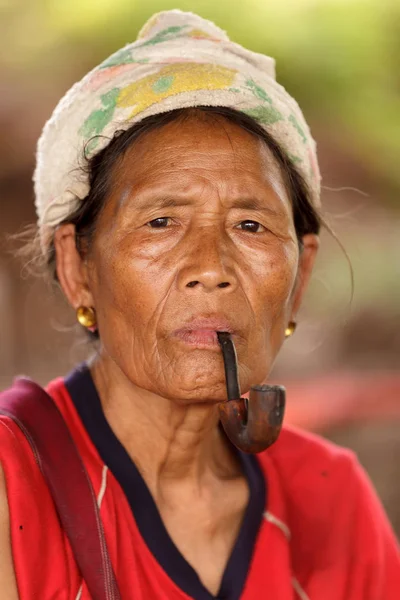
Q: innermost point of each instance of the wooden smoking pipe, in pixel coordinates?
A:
(251, 425)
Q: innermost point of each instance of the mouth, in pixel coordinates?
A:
(202, 333)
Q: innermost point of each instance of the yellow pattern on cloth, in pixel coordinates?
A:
(198, 33)
(179, 60)
(171, 80)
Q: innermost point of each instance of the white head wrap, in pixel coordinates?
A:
(179, 60)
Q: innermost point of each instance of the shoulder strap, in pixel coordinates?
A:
(38, 417)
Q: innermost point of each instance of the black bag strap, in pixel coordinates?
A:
(34, 411)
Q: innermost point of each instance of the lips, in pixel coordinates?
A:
(202, 332)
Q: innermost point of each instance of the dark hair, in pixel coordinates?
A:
(307, 219)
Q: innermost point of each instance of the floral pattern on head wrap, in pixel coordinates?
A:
(179, 60)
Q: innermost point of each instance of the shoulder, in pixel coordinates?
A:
(312, 484)
(16, 403)
(15, 447)
(326, 500)
(32, 517)
(305, 458)
(304, 442)
(320, 480)
(20, 398)
(22, 474)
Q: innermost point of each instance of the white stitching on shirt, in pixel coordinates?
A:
(286, 532)
(280, 524)
(103, 486)
(299, 590)
(100, 497)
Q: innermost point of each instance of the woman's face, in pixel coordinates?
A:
(198, 226)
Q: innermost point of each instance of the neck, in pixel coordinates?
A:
(168, 441)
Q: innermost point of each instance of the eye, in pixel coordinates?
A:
(251, 226)
(160, 222)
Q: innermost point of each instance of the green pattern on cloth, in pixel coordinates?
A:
(178, 61)
(258, 91)
(296, 125)
(266, 115)
(163, 36)
(163, 84)
(294, 159)
(122, 57)
(98, 119)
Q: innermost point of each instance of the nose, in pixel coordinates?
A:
(208, 263)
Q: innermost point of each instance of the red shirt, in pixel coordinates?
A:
(323, 535)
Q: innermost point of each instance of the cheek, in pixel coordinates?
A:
(270, 300)
(129, 292)
(275, 276)
(132, 296)
(128, 300)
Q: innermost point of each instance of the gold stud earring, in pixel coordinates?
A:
(86, 316)
(290, 329)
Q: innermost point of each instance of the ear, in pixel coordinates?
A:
(71, 268)
(308, 254)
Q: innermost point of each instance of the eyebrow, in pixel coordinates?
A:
(167, 202)
(173, 201)
(256, 205)
(150, 201)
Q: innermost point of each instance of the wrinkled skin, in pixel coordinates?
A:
(198, 173)
(226, 244)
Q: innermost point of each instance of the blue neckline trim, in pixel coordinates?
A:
(82, 390)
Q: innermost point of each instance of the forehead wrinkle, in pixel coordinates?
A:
(171, 155)
(172, 200)
(194, 148)
(176, 159)
(181, 143)
(213, 171)
(164, 192)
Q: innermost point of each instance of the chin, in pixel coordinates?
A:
(199, 376)
(203, 394)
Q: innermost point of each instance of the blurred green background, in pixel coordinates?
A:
(340, 60)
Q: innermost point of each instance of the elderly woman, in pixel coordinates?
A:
(193, 224)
